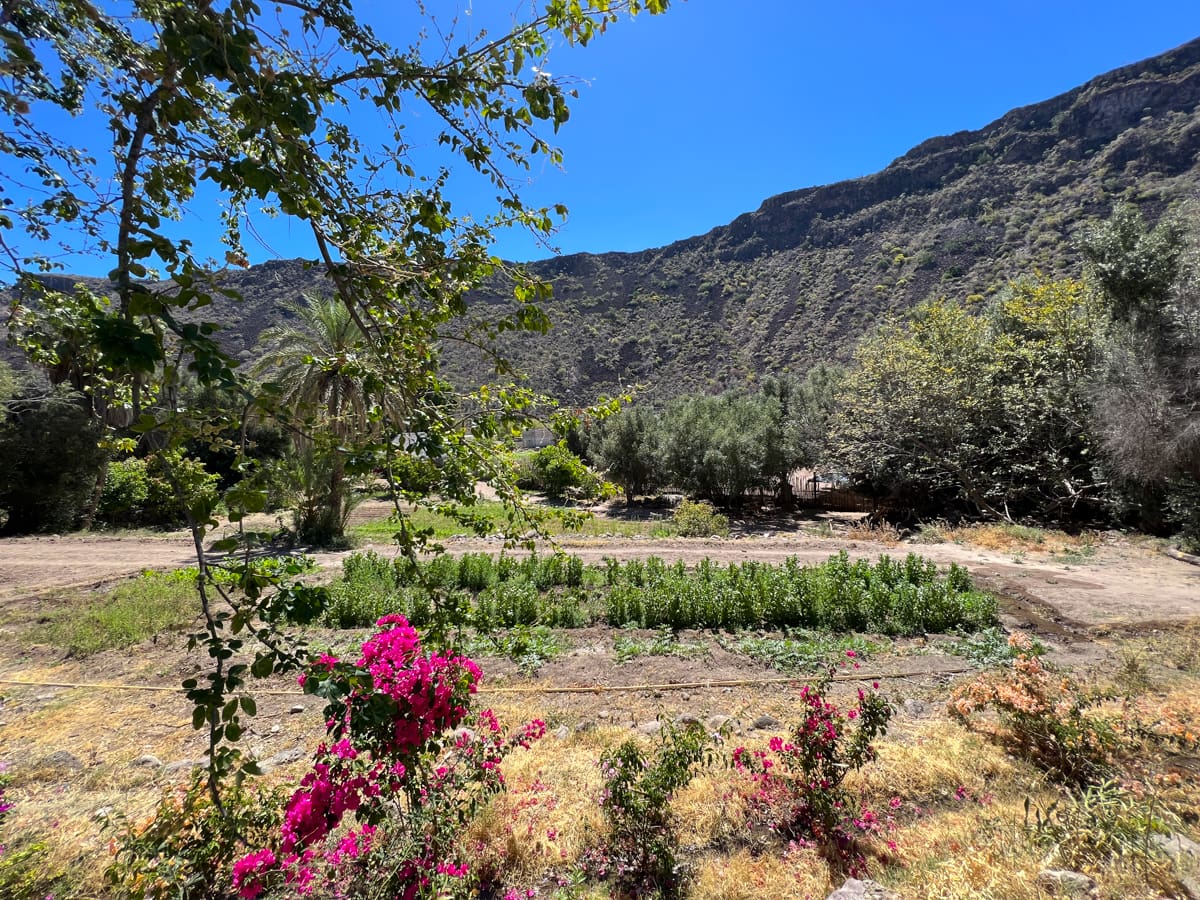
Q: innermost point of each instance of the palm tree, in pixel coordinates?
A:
(319, 361)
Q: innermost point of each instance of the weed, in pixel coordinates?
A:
(804, 651)
(1103, 822)
(990, 647)
(529, 647)
(936, 532)
(664, 643)
(131, 612)
(879, 532)
(1133, 675)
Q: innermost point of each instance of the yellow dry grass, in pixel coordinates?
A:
(1008, 538)
(879, 532)
(743, 876)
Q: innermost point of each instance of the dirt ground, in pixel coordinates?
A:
(1122, 584)
(80, 745)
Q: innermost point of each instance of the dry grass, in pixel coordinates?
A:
(744, 876)
(1007, 538)
(879, 532)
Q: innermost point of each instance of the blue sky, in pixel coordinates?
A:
(697, 116)
(686, 120)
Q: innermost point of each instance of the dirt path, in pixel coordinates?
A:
(1121, 585)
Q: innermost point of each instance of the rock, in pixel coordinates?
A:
(45, 698)
(61, 759)
(604, 714)
(1073, 884)
(686, 719)
(149, 761)
(854, 889)
(650, 728)
(766, 722)
(915, 708)
(1177, 845)
(296, 709)
(286, 757)
(717, 722)
(183, 765)
(562, 732)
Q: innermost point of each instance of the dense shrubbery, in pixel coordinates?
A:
(887, 597)
(559, 473)
(49, 463)
(154, 491)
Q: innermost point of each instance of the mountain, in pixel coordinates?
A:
(800, 279)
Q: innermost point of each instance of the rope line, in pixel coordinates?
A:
(529, 689)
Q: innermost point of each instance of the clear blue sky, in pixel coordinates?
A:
(689, 119)
(697, 116)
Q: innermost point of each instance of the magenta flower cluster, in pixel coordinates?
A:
(797, 781)
(396, 703)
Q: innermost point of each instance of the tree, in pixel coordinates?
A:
(44, 491)
(252, 108)
(984, 414)
(796, 437)
(320, 363)
(1148, 401)
(716, 447)
(628, 447)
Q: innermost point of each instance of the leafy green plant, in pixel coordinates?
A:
(801, 651)
(1100, 823)
(639, 853)
(989, 647)
(187, 848)
(698, 518)
(529, 647)
(664, 643)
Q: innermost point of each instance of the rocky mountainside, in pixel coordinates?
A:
(803, 277)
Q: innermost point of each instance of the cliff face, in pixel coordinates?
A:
(801, 278)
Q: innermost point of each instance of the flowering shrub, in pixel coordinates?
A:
(1045, 715)
(5, 803)
(639, 855)
(387, 718)
(797, 783)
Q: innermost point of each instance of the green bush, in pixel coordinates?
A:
(699, 519)
(560, 473)
(141, 492)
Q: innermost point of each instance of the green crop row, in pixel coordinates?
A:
(890, 596)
